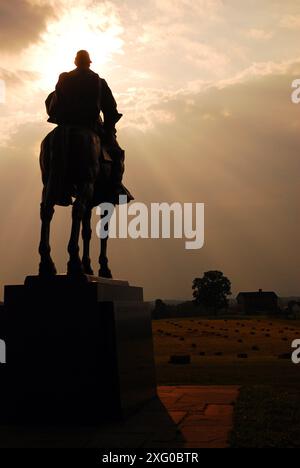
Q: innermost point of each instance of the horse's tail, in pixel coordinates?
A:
(45, 156)
(69, 157)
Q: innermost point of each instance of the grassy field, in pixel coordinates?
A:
(215, 346)
(267, 412)
(267, 417)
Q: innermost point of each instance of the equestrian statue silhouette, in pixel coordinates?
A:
(80, 160)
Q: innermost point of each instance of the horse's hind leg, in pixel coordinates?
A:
(75, 266)
(74, 263)
(104, 270)
(47, 267)
(86, 237)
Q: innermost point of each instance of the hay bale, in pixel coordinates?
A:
(182, 359)
(284, 356)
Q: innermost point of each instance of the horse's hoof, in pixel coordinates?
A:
(88, 271)
(87, 268)
(105, 273)
(75, 268)
(47, 268)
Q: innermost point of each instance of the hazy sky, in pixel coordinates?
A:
(204, 86)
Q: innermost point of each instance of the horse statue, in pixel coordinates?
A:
(80, 159)
(74, 163)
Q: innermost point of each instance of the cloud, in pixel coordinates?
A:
(236, 149)
(259, 34)
(290, 22)
(20, 104)
(208, 9)
(143, 107)
(205, 57)
(21, 23)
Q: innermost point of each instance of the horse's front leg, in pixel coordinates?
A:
(104, 270)
(81, 204)
(86, 237)
(46, 267)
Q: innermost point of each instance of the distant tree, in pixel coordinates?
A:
(211, 290)
(160, 309)
(290, 306)
(293, 308)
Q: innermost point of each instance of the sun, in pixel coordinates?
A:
(96, 30)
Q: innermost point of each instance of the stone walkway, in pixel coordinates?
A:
(182, 417)
(203, 415)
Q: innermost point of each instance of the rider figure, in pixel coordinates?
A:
(79, 97)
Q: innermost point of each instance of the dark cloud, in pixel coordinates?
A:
(21, 23)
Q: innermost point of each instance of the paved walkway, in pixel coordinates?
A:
(203, 415)
(182, 417)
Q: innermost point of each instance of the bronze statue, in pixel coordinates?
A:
(80, 159)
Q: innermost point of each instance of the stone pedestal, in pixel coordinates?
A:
(77, 351)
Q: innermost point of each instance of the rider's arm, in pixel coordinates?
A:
(61, 80)
(51, 104)
(109, 108)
